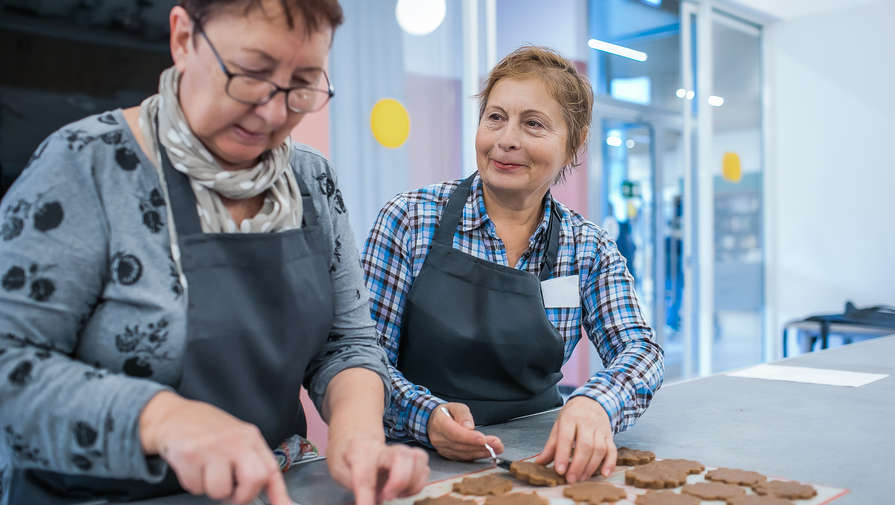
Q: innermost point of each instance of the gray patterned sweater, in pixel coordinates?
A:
(92, 312)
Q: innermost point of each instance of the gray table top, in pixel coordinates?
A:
(832, 435)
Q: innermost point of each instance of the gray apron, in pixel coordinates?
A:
(476, 332)
(260, 307)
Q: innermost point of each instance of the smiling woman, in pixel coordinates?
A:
(177, 270)
(480, 287)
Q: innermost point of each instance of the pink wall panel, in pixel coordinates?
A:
(314, 131)
(573, 191)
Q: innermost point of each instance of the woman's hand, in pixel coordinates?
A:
(357, 455)
(376, 472)
(583, 424)
(210, 451)
(454, 436)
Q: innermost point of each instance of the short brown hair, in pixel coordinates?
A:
(312, 12)
(564, 83)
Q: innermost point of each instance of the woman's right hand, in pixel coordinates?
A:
(454, 436)
(210, 451)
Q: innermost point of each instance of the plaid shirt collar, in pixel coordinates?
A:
(475, 215)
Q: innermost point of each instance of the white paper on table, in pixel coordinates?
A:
(810, 375)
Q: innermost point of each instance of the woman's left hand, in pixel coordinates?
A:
(583, 424)
(377, 472)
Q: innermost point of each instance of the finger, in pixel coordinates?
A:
(420, 472)
(495, 444)
(189, 476)
(252, 475)
(218, 479)
(464, 454)
(610, 459)
(399, 470)
(363, 479)
(459, 426)
(584, 449)
(338, 468)
(458, 435)
(546, 455)
(276, 490)
(596, 457)
(565, 434)
(478, 448)
(461, 414)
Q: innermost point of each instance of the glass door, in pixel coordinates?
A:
(640, 195)
(629, 205)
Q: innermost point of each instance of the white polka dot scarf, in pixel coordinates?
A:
(282, 204)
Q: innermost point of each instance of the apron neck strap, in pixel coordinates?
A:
(180, 194)
(553, 228)
(444, 234)
(309, 213)
(453, 213)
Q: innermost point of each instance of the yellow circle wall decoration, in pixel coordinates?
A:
(390, 123)
(731, 168)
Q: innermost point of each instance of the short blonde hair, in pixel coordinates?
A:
(564, 83)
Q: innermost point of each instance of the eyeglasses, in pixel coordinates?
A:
(250, 90)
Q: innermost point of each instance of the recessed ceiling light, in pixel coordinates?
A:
(626, 52)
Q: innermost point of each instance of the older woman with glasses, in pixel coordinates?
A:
(173, 273)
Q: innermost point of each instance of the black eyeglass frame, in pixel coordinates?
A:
(330, 91)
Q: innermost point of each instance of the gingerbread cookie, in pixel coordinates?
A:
(713, 490)
(444, 500)
(734, 476)
(485, 485)
(633, 457)
(594, 492)
(517, 499)
(785, 489)
(536, 474)
(662, 474)
(665, 498)
(686, 465)
(753, 499)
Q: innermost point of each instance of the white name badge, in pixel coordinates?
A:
(561, 292)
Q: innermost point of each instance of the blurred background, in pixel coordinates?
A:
(737, 150)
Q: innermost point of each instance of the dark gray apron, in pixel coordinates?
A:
(260, 307)
(476, 332)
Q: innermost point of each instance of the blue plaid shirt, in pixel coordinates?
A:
(610, 314)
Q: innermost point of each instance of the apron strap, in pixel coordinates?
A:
(183, 200)
(549, 259)
(444, 234)
(453, 212)
(309, 214)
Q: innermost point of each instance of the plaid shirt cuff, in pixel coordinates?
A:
(607, 398)
(419, 417)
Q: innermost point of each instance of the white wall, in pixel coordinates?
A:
(788, 9)
(558, 24)
(831, 176)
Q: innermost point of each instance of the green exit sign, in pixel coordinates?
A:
(630, 189)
